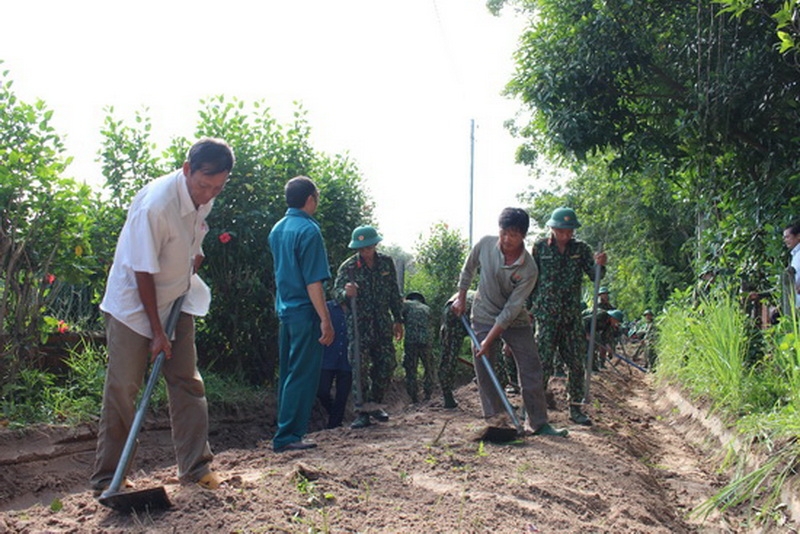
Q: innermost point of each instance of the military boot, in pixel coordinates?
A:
(361, 421)
(576, 415)
(449, 401)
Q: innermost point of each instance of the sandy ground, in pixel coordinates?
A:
(642, 467)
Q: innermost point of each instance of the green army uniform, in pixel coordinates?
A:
(417, 346)
(451, 337)
(379, 307)
(605, 336)
(604, 305)
(557, 309)
(647, 333)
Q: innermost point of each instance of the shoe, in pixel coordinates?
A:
(550, 399)
(578, 417)
(548, 430)
(449, 401)
(362, 421)
(98, 490)
(210, 481)
(379, 415)
(296, 446)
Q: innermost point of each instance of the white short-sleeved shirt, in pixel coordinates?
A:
(796, 264)
(162, 235)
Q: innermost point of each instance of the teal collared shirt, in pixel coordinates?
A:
(300, 259)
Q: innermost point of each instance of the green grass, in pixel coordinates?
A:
(39, 396)
(704, 349)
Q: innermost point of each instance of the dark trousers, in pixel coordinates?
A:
(334, 405)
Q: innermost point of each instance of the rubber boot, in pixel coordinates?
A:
(577, 416)
(449, 401)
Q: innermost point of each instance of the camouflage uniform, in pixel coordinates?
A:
(604, 336)
(417, 347)
(557, 308)
(378, 295)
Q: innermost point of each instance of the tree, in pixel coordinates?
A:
(438, 262)
(679, 101)
(240, 332)
(44, 226)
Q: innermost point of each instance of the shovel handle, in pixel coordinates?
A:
(130, 444)
(492, 376)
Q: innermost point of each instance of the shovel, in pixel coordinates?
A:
(358, 394)
(148, 499)
(495, 434)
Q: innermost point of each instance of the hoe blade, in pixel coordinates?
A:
(145, 500)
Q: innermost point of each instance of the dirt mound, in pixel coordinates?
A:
(633, 471)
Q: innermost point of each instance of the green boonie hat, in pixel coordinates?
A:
(365, 236)
(415, 295)
(616, 314)
(647, 312)
(564, 218)
(603, 289)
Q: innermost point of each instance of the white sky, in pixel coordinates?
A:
(395, 84)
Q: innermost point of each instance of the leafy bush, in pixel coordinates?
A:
(239, 335)
(45, 226)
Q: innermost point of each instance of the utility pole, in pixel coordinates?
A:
(471, 174)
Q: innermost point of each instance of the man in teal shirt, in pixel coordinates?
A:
(301, 265)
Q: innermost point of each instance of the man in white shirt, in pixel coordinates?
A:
(791, 238)
(156, 260)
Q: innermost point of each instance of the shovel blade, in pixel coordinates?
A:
(497, 434)
(149, 500)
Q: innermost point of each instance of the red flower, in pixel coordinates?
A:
(62, 327)
(224, 237)
(50, 278)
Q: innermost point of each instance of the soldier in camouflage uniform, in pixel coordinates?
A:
(603, 301)
(417, 345)
(605, 334)
(371, 278)
(562, 261)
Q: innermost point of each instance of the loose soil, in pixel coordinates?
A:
(643, 467)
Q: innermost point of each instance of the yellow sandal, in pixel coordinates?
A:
(210, 481)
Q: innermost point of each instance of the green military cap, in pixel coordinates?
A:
(365, 236)
(415, 295)
(564, 218)
(603, 289)
(647, 312)
(616, 314)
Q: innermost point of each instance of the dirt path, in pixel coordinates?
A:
(641, 468)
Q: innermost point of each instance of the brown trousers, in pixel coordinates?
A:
(128, 357)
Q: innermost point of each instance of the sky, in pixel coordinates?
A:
(393, 84)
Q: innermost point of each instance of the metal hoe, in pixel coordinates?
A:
(358, 394)
(488, 366)
(592, 329)
(154, 498)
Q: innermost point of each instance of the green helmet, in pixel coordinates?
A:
(564, 218)
(616, 314)
(603, 289)
(365, 236)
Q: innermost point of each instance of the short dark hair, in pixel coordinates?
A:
(298, 190)
(516, 218)
(793, 227)
(211, 155)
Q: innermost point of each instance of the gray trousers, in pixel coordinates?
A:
(530, 376)
(128, 357)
